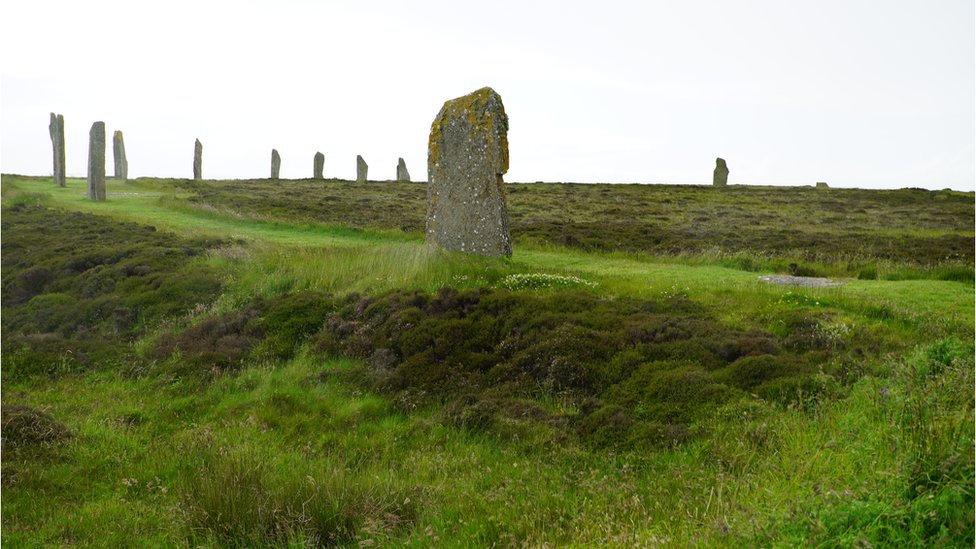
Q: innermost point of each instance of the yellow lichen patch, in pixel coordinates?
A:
(434, 142)
(501, 187)
(475, 108)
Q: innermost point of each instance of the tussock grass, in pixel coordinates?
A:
(26, 428)
(763, 477)
(274, 271)
(246, 496)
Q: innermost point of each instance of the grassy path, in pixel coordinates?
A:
(160, 206)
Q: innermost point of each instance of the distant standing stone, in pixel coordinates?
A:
(198, 160)
(118, 148)
(822, 185)
(402, 174)
(275, 163)
(361, 169)
(318, 165)
(467, 154)
(96, 162)
(720, 177)
(56, 129)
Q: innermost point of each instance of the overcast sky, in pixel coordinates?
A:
(858, 93)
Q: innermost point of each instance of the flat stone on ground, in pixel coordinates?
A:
(806, 281)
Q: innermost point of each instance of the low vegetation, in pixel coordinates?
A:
(835, 231)
(293, 380)
(75, 287)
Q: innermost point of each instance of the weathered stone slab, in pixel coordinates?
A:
(720, 177)
(118, 148)
(318, 166)
(197, 160)
(805, 281)
(275, 163)
(467, 154)
(56, 129)
(96, 162)
(822, 185)
(402, 174)
(361, 169)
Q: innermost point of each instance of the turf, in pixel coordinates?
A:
(258, 363)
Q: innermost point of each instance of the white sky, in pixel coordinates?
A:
(866, 93)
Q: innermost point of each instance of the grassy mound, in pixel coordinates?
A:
(625, 373)
(76, 284)
(26, 428)
(251, 497)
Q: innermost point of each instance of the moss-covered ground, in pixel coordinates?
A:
(283, 363)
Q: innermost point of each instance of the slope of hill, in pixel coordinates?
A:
(275, 363)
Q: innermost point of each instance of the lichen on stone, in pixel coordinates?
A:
(467, 154)
(476, 108)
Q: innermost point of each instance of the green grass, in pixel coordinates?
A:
(274, 434)
(902, 233)
(167, 211)
(848, 229)
(281, 396)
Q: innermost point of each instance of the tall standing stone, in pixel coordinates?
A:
(198, 160)
(402, 174)
(56, 129)
(275, 163)
(318, 165)
(467, 154)
(720, 177)
(361, 169)
(118, 148)
(96, 162)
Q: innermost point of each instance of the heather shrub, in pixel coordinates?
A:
(74, 285)
(655, 367)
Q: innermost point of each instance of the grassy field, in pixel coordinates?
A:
(284, 363)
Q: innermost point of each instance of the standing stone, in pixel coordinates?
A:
(720, 177)
(361, 169)
(402, 174)
(318, 165)
(198, 160)
(467, 154)
(275, 163)
(822, 185)
(121, 164)
(96, 162)
(56, 129)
